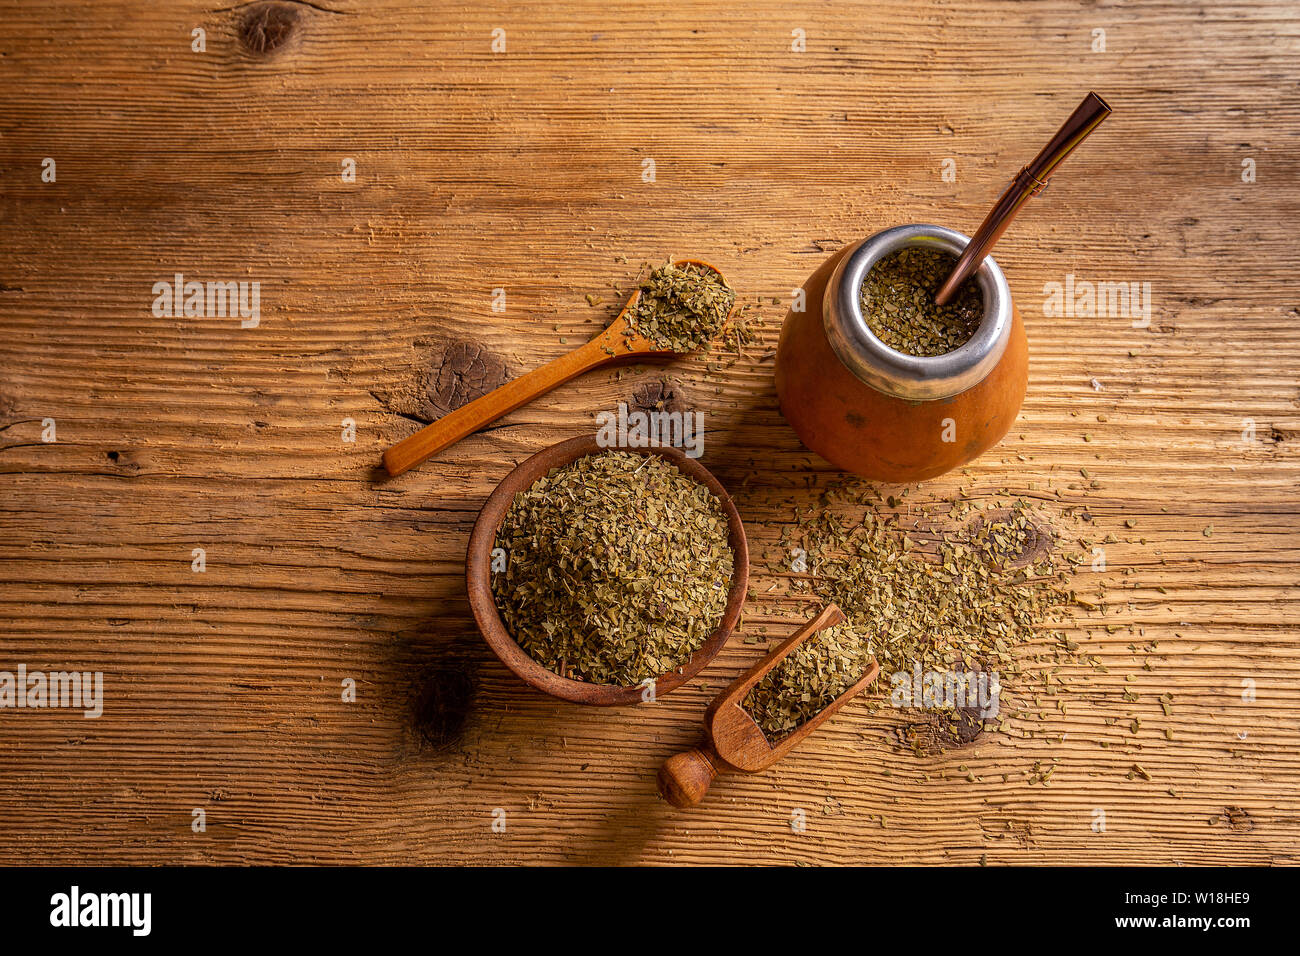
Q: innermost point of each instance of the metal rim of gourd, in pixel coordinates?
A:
(914, 377)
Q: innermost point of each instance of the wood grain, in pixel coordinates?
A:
(522, 170)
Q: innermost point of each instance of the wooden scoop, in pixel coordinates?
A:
(611, 346)
(733, 741)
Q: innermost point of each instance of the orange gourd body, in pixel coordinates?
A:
(879, 436)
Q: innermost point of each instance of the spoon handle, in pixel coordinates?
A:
(486, 409)
(684, 778)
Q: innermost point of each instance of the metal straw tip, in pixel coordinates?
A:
(1094, 97)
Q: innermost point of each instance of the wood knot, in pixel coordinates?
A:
(128, 462)
(463, 372)
(938, 730)
(445, 702)
(1010, 538)
(453, 375)
(265, 27)
(662, 395)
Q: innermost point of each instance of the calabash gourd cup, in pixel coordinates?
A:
(879, 413)
(478, 580)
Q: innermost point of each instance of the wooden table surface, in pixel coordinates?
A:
(528, 169)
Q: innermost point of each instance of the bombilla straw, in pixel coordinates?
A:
(1030, 181)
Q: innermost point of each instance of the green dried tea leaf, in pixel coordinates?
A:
(807, 680)
(618, 568)
(950, 603)
(898, 303)
(682, 308)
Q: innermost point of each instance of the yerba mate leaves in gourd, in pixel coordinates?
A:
(682, 308)
(898, 303)
(618, 568)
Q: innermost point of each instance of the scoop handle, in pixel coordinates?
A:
(684, 778)
(486, 409)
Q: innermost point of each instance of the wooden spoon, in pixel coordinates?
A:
(733, 741)
(618, 343)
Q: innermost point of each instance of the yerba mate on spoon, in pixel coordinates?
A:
(680, 307)
(735, 740)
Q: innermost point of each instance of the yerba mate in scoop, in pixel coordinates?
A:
(617, 568)
(734, 742)
(808, 680)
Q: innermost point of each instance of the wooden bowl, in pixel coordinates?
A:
(478, 570)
